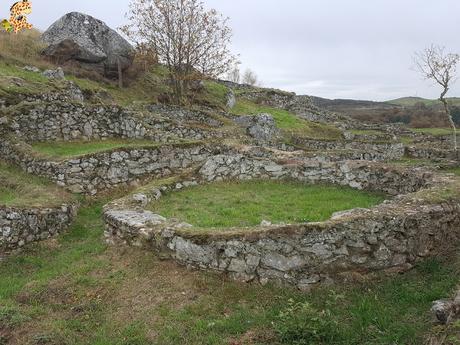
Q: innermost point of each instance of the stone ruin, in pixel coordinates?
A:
(421, 217)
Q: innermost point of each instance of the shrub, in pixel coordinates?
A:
(302, 324)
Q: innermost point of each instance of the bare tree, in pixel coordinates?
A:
(191, 41)
(234, 75)
(441, 67)
(250, 78)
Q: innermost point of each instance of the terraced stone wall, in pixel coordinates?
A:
(377, 151)
(51, 121)
(93, 173)
(356, 174)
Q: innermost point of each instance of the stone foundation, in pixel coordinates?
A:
(52, 121)
(393, 235)
(19, 226)
(101, 171)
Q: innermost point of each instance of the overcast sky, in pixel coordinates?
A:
(330, 48)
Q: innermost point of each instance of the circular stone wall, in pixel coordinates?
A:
(420, 221)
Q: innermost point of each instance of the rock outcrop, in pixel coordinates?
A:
(89, 41)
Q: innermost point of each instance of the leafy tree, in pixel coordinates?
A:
(191, 41)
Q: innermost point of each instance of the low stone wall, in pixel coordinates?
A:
(19, 226)
(434, 152)
(97, 172)
(356, 174)
(389, 236)
(393, 235)
(376, 151)
(43, 121)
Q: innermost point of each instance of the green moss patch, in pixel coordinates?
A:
(18, 189)
(69, 149)
(240, 204)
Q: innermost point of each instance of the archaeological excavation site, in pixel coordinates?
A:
(239, 214)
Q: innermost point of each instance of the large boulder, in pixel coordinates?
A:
(80, 37)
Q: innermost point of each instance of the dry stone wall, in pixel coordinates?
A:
(19, 226)
(393, 235)
(375, 151)
(97, 172)
(51, 121)
(356, 174)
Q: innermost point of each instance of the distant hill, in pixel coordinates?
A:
(403, 109)
(412, 101)
(346, 104)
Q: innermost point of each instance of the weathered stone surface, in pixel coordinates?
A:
(31, 69)
(57, 73)
(231, 99)
(66, 120)
(80, 37)
(101, 171)
(446, 310)
(356, 174)
(260, 127)
(19, 226)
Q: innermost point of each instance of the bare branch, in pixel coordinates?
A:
(435, 64)
(190, 40)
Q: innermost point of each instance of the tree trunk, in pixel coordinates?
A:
(451, 121)
(120, 75)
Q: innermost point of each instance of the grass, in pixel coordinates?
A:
(367, 132)
(288, 122)
(214, 95)
(18, 189)
(75, 290)
(455, 171)
(239, 204)
(407, 161)
(148, 88)
(433, 131)
(69, 149)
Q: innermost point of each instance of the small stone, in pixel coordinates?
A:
(141, 199)
(31, 69)
(54, 73)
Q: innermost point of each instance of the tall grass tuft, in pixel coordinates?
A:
(24, 47)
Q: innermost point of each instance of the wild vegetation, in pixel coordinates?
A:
(191, 41)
